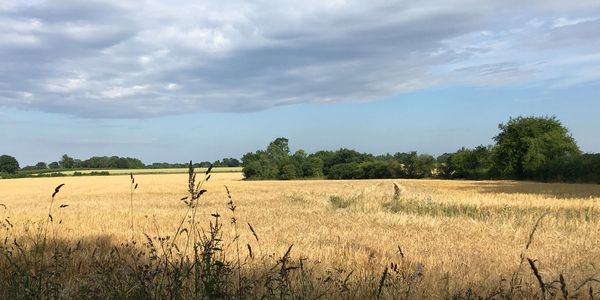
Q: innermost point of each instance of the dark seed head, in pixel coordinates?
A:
(57, 189)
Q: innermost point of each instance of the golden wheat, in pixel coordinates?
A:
(464, 233)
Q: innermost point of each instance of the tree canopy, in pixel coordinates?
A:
(536, 148)
(8, 164)
(525, 144)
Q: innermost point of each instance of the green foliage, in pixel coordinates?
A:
(259, 165)
(67, 162)
(227, 162)
(535, 148)
(8, 164)
(279, 149)
(93, 173)
(350, 170)
(115, 162)
(288, 172)
(38, 166)
(526, 144)
(379, 169)
(312, 167)
(112, 162)
(580, 168)
(466, 163)
(274, 163)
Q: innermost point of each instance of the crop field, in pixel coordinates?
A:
(148, 171)
(312, 238)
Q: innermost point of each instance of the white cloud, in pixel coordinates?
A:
(168, 57)
(120, 92)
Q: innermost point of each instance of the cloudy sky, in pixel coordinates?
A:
(174, 80)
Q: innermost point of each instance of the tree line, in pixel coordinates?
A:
(526, 148)
(10, 165)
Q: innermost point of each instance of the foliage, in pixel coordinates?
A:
(39, 166)
(111, 162)
(276, 163)
(66, 162)
(466, 163)
(526, 144)
(93, 173)
(534, 148)
(8, 164)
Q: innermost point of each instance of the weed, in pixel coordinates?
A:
(339, 202)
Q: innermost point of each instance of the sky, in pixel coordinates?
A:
(178, 80)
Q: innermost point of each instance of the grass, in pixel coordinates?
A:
(339, 202)
(438, 239)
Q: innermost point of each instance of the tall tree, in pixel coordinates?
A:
(8, 164)
(66, 162)
(279, 148)
(525, 144)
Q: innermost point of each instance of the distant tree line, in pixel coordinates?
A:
(96, 162)
(527, 148)
(225, 162)
(10, 165)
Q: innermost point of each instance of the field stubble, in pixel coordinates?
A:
(456, 236)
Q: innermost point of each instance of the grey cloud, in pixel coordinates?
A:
(119, 60)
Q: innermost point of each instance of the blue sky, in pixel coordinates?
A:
(203, 80)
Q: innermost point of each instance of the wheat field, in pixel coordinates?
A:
(453, 237)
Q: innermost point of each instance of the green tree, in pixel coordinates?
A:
(41, 166)
(259, 165)
(8, 164)
(66, 162)
(423, 165)
(525, 144)
(341, 156)
(415, 165)
(466, 163)
(279, 149)
(231, 162)
(350, 170)
(288, 172)
(313, 167)
(54, 165)
(378, 169)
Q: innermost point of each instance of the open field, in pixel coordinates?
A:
(147, 171)
(448, 237)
